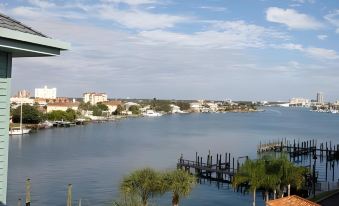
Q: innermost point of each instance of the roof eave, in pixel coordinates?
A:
(28, 45)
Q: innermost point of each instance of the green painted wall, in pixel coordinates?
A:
(5, 82)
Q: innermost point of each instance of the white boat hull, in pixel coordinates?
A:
(19, 132)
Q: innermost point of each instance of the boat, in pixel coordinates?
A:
(333, 111)
(46, 124)
(151, 113)
(19, 130)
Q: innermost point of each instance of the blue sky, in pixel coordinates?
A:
(184, 49)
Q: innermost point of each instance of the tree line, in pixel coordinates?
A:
(143, 184)
(271, 176)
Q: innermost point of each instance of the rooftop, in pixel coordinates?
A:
(12, 24)
(293, 200)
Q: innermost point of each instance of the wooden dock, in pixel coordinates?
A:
(301, 148)
(222, 170)
(302, 151)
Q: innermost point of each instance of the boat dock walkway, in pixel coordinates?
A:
(222, 170)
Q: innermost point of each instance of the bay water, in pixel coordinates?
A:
(95, 157)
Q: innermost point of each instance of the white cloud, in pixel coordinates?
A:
(213, 8)
(131, 2)
(27, 12)
(322, 53)
(290, 46)
(138, 19)
(333, 18)
(322, 36)
(337, 31)
(292, 18)
(34, 12)
(319, 53)
(41, 3)
(227, 34)
(304, 1)
(132, 18)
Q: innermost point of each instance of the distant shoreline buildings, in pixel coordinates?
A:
(45, 93)
(93, 98)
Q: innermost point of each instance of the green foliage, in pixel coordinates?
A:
(119, 110)
(144, 183)
(134, 109)
(270, 174)
(162, 105)
(85, 106)
(102, 106)
(30, 114)
(58, 115)
(96, 111)
(128, 200)
(180, 183)
(147, 183)
(183, 105)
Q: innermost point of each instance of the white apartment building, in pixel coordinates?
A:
(23, 100)
(299, 102)
(94, 98)
(45, 93)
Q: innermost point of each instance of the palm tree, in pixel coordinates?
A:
(250, 172)
(180, 183)
(291, 174)
(144, 183)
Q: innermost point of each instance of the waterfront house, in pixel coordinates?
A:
(60, 100)
(292, 200)
(127, 105)
(16, 101)
(17, 40)
(112, 105)
(62, 106)
(213, 107)
(175, 109)
(41, 102)
(196, 106)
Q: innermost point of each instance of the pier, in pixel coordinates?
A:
(301, 148)
(222, 170)
(320, 158)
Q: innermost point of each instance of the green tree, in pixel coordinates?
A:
(119, 110)
(96, 111)
(180, 183)
(85, 106)
(58, 115)
(134, 109)
(162, 105)
(270, 174)
(30, 114)
(183, 106)
(252, 172)
(145, 183)
(71, 114)
(102, 107)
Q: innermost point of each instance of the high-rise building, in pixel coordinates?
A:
(45, 93)
(23, 94)
(94, 98)
(320, 97)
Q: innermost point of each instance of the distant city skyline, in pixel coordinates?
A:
(170, 49)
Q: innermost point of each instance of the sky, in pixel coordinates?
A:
(184, 49)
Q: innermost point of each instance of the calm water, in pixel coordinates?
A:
(95, 157)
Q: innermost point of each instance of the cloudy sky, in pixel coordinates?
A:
(184, 49)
